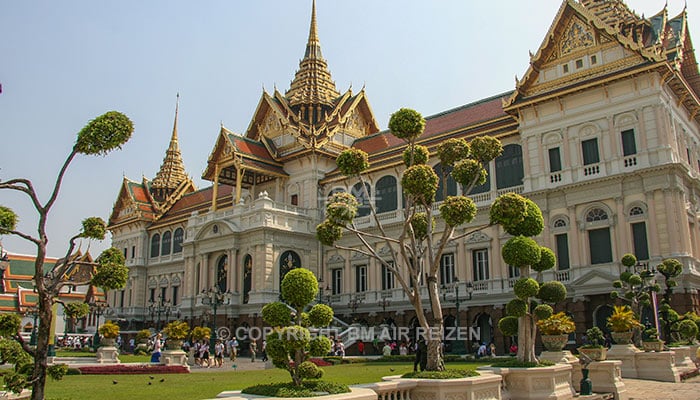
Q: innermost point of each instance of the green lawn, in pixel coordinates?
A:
(205, 385)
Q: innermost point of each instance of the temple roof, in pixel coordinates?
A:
(172, 170)
(312, 83)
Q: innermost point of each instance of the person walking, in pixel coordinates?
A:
(157, 344)
(219, 354)
(263, 351)
(253, 348)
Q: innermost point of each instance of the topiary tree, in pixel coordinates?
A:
(670, 269)
(416, 249)
(522, 218)
(99, 137)
(75, 311)
(290, 345)
(12, 352)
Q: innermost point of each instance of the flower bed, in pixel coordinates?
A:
(124, 369)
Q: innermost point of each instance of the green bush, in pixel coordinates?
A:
(420, 182)
(521, 251)
(306, 389)
(457, 210)
(299, 287)
(406, 124)
(419, 153)
(446, 374)
(452, 150)
(525, 288)
(352, 162)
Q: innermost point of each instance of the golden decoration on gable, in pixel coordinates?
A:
(576, 37)
(355, 122)
(271, 123)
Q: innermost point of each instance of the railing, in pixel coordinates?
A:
(591, 170)
(555, 177)
(392, 390)
(630, 161)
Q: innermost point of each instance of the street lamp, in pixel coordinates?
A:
(158, 307)
(354, 303)
(98, 307)
(34, 312)
(215, 297)
(458, 345)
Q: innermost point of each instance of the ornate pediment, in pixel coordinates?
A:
(577, 36)
(478, 237)
(336, 259)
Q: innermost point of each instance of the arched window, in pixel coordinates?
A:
(222, 273)
(386, 199)
(289, 261)
(451, 184)
(599, 244)
(247, 277)
(560, 223)
(509, 167)
(165, 244)
(362, 198)
(177, 240)
(155, 245)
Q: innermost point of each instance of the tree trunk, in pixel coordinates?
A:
(436, 361)
(42, 346)
(526, 339)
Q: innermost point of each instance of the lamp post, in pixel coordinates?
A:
(458, 345)
(159, 307)
(320, 290)
(34, 312)
(215, 297)
(98, 307)
(354, 303)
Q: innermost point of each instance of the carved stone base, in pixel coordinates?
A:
(627, 354)
(606, 377)
(657, 366)
(565, 357)
(107, 355)
(355, 394)
(538, 383)
(173, 357)
(684, 359)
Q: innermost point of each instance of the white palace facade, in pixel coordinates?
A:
(602, 132)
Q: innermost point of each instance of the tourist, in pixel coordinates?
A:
(482, 351)
(195, 354)
(219, 354)
(263, 351)
(204, 353)
(403, 350)
(513, 349)
(253, 347)
(361, 348)
(339, 349)
(386, 350)
(492, 350)
(157, 344)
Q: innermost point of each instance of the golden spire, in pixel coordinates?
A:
(172, 171)
(312, 83)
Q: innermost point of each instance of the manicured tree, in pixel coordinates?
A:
(99, 137)
(14, 353)
(416, 248)
(290, 345)
(670, 269)
(522, 218)
(634, 288)
(75, 311)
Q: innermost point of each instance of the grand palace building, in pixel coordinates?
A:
(602, 132)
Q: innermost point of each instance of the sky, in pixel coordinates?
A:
(65, 63)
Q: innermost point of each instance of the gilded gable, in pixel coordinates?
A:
(578, 36)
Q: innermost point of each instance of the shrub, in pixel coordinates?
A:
(143, 335)
(622, 319)
(595, 338)
(109, 330)
(557, 324)
(177, 330)
(406, 124)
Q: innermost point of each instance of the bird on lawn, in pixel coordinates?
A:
(150, 377)
(149, 383)
(114, 382)
(391, 369)
(162, 380)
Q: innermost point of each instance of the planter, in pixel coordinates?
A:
(356, 393)
(174, 344)
(595, 353)
(538, 383)
(108, 342)
(486, 386)
(555, 342)
(654, 345)
(622, 337)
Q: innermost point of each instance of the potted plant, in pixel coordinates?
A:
(555, 331)
(110, 332)
(594, 349)
(650, 340)
(622, 323)
(176, 332)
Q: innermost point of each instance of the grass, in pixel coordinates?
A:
(203, 385)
